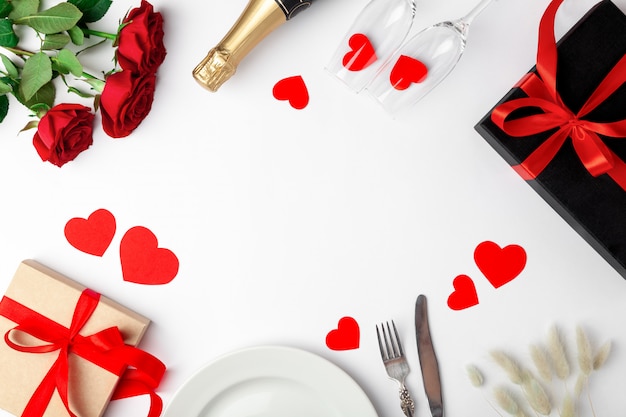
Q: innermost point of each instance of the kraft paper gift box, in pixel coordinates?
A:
(569, 152)
(55, 297)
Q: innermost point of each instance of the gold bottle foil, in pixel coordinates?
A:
(259, 18)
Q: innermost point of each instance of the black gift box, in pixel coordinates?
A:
(594, 206)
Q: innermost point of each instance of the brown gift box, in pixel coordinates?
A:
(55, 296)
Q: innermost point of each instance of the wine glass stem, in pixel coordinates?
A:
(468, 18)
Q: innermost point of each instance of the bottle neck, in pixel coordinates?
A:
(258, 19)
(293, 7)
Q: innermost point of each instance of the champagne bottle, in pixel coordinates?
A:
(258, 19)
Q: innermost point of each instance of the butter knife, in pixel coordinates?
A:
(428, 359)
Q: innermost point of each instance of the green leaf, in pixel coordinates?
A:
(84, 4)
(9, 66)
(8, 37)
(5, 8)
(55, 41)
(4, 107)
(77, 35)
(93, 10)
(56, 19)
(43, 99)
(5, 88)
(97, 12)
(36, 73)
(23, 8)
(66, 63)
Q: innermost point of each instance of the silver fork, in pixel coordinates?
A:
(395, 363)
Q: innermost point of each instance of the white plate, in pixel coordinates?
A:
(270, 381)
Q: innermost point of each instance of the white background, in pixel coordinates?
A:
(284, 221)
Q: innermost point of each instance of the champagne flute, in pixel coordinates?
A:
(376, 33)
(422, 63)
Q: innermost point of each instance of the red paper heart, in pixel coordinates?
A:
(361, 55)
(92, 235)
(143, 262)
(292, 89)
(346, 336)
(499, 265)
(464, 295)
(407, 71)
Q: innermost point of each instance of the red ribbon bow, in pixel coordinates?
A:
(542, 91)
(105, 348)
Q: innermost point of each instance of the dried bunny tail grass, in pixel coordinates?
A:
(509, 365)
(568, 409)
(537, 396)
(557, 352)
(602, 355)
(581, 383)
(542, 362)
(474, 375)
(585, 356)
(506, 401)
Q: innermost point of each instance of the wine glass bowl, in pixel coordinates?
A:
(421, 63)
(376, 33)
(402, 81)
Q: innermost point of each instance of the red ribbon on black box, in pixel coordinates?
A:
(140, 373)
(541, 88)
(564, 129)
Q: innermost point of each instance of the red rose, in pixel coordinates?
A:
(140, 42)
(126, 100)
(64, 132)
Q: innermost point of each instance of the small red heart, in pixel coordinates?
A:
(499, 265)
(346, 336)
(143, 262)
(406, 71)
(464, 295)
(292, 89)
(92, 235)
(361, 55)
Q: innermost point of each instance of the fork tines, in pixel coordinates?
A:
(389, 344)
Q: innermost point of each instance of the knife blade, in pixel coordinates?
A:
(427, 357)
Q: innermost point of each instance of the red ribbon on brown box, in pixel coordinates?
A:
(140, 373)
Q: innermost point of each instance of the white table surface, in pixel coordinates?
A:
(286, 220)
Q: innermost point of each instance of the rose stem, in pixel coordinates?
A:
(105, 35)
